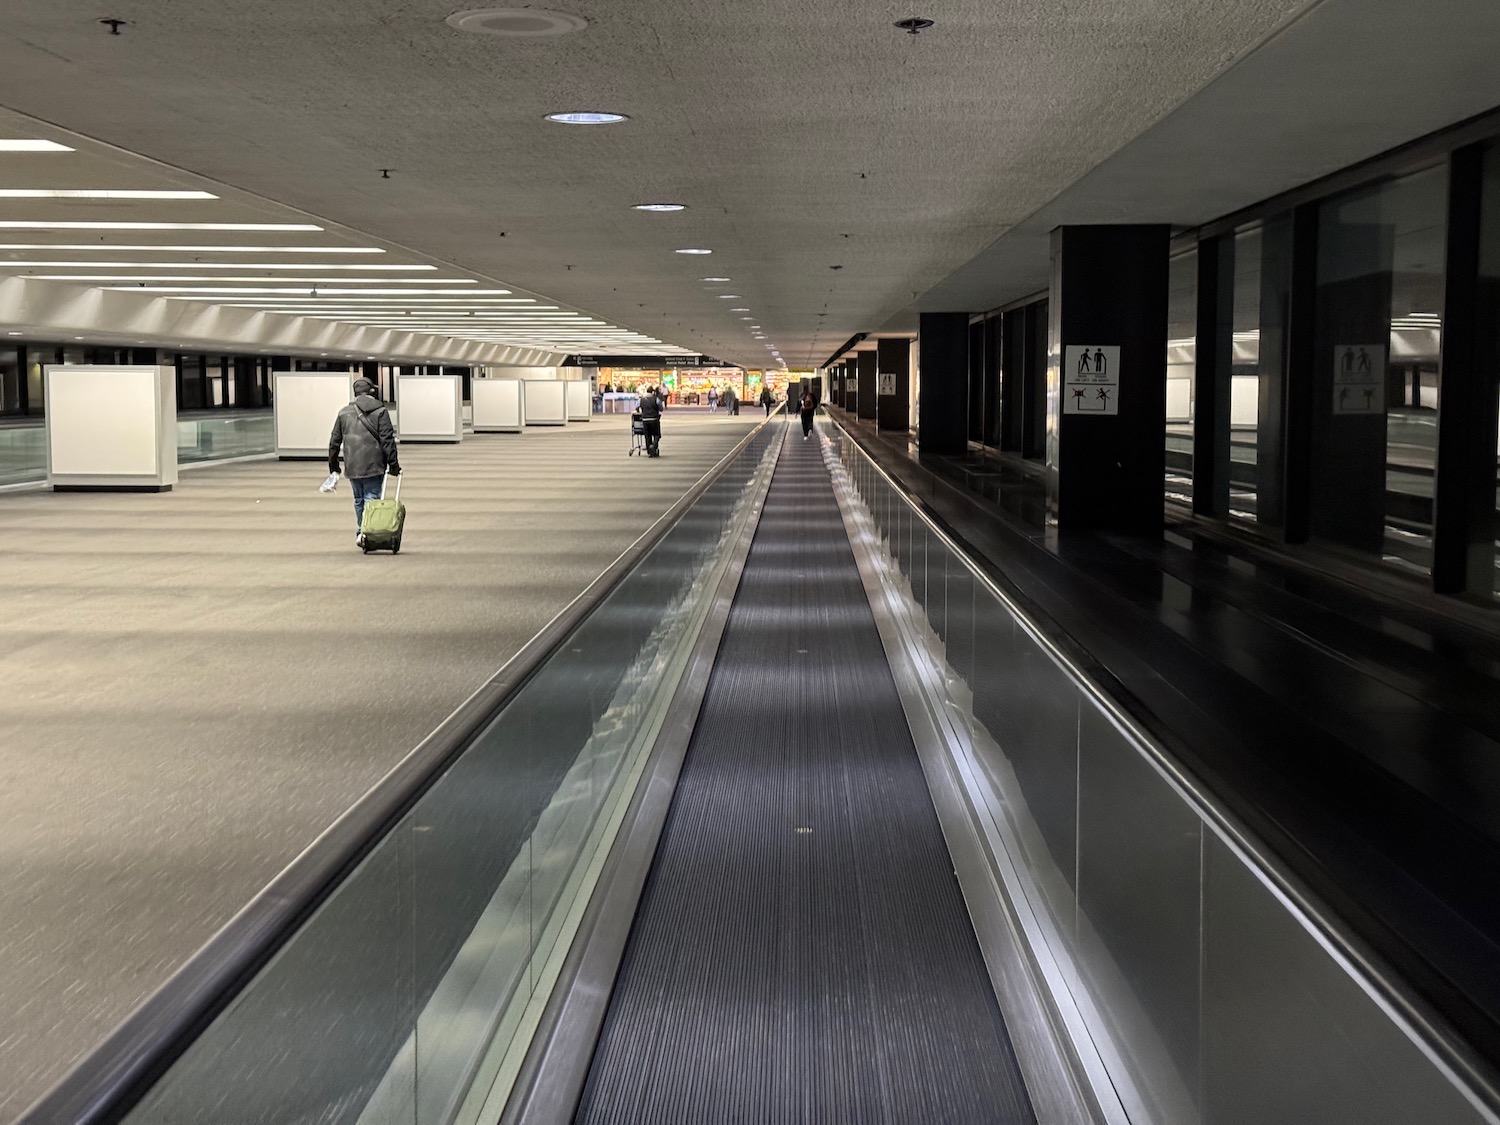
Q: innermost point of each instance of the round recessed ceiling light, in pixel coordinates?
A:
(516, 23)
(693, 250)
(586, 117)
(658, 207)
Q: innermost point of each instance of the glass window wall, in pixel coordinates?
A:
(1378, 329)
(1488, 323)
(1262, 284)
(1182, 350)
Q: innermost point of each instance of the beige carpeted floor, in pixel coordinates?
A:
(193, 685)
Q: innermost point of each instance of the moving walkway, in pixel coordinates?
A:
(792, 817)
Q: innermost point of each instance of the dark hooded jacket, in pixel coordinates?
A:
(363, 429)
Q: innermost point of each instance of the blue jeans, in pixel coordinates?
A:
(364, 488)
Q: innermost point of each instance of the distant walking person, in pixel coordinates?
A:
(809, 406)
(650, 412)
(713, 399)
(363, 431)
(767, 399)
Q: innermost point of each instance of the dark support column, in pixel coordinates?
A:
(867, 396)
(990, 433)
(1301, 363)
(1034, 389)
(1464, 519)
(1013, 380)
(1106, 422)
(893, 387)
(976, 381)
(943, 365)
(1214, 359)
(852, 389)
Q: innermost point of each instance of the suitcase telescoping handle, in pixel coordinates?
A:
(384, 480)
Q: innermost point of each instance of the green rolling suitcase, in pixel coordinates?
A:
(383, 521)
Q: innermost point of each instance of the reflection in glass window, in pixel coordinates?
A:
(1262, 283)
(1375, 409)
(1488, 321)
(1182, 332)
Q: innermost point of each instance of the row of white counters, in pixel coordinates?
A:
(114, 427)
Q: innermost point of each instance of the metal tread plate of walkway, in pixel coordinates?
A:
(802, 952)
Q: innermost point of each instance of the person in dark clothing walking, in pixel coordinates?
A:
(364, 433)
(767, 399)
(809, 406)
(650, 412)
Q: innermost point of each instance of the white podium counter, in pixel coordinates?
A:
(307, 402)
(580, 397)
(546, 402)
(111, 428)
(498, 407)
(430, 408)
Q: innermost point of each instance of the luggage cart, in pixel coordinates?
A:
(637, 435)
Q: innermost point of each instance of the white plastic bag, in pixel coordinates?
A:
(330, 484)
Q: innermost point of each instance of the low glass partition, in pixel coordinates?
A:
(1210, 992)
(23, 448)
(410, 994)
(219, 437)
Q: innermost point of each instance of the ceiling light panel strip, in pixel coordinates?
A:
(169, 248)
(100, 224)
(188, 292)
(214, 265)
(102, 193)
(304, 282)
(33, 146)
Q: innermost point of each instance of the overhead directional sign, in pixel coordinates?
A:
(1091, 379)
(1359, 379)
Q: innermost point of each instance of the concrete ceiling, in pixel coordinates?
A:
(1347, 81)
(801, 137)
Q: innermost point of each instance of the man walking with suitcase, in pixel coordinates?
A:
(364, 432)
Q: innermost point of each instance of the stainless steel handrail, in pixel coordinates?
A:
(1369, 970)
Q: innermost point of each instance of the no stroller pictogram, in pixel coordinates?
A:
(1091, 378)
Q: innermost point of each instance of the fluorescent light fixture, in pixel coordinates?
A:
(113, 248)
(12, 333)
(660, 208)
(33, 146)
(729, 296)
(187, 291)
(693, 250)
(101, 193)
(714, 279)
(99, 224)
(740, 310)
(586, 117)
(301, 281)
(213, 266)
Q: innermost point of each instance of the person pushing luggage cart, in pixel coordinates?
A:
(362, 431)
(650, 416)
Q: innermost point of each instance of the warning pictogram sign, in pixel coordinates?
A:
(1359, 379)
(1091, 379)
